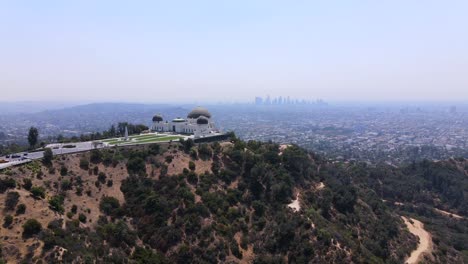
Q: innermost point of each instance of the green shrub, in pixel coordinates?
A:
(194, 154)
(38, 192)
(21, 209)
(191, 165)
(27, 184)
(48, 156)
(235, 249)
(192, 178)
(142, 255)
(51, 170)
(154, 149)
(205, 152)
(102, 177)
(136, 166)
(244, 242)
(66, 185)
(6, 184)
(11, 200)
(109, 205)
(63, 171)
(117, 233)
(96, 156)
(56, 203)
(169, 158)
(7, 221)
(31, 227)
(84, 163)
(107, 160)
(82, 218)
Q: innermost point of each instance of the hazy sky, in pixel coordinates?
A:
(156, 51)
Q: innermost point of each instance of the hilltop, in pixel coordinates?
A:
(235, 202)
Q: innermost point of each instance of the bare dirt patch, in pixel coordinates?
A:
(320, 186)
(248, 254)
(181, 160)
(282, 148)
(295, 205)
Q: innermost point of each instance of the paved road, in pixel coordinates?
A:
(57, 149)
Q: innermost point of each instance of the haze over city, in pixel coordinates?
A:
(238, 132)
(160, 51)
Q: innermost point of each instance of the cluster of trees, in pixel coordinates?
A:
(439, 184)
(33, 136)
(12, 148)
(242, 203)
(168, 219)
(422, 187)
(400, 155)
(110, 242)
(7, 183)
(114, 131)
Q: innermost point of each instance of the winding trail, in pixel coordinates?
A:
(449, 214)
(425, 240)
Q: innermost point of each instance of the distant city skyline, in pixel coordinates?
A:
(212, 51)
(286, 100)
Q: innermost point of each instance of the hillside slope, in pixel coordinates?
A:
(209, 203)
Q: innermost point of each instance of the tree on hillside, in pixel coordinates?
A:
(188, 144)
(96, 156)
(109, 205)
(132, 128)
(121, 128)
(7, 221)
(31, 227)
(48, 155)
(33, 135)
(136, 166)
(11, 200)
(112, 131)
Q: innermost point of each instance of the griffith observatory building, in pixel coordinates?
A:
(198, 123)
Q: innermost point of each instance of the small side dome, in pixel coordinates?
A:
(157, 118)
(202, 120)
(199, 111)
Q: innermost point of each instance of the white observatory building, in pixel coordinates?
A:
(198, 123)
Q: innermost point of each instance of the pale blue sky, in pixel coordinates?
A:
(156, 51)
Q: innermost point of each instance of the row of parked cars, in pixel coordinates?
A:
(17, 156)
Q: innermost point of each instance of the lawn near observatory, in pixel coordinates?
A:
(142, 139)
